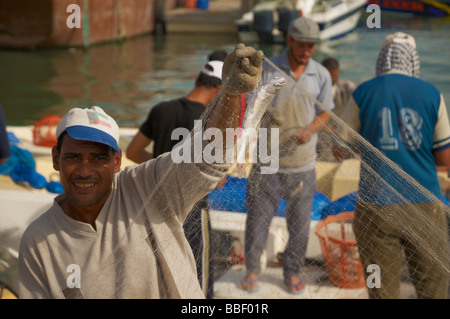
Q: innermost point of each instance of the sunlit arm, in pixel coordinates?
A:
(442, 157)
(136, 149)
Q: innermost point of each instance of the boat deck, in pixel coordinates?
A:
(218, 18)
(315, 276)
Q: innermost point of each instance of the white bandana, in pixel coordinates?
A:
(398, 53)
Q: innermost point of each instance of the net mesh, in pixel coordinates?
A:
(328, 252)
(409, 236)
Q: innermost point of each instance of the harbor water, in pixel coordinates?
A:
(127, 78)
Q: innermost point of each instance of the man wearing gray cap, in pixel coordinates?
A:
(300, 118)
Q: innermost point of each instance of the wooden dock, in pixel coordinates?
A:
(218, 18)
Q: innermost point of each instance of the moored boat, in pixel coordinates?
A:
(268, 21)
(437, 8)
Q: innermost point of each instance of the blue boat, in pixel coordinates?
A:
(436, 8)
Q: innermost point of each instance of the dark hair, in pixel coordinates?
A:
(218, 55)
(59, 140)
(206, 80)
(330, 63)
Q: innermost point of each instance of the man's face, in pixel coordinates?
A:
(300, 51)
(86, 171)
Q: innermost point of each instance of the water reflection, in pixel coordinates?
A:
(127, 78)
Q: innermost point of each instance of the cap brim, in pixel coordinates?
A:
(301, 39)
(90, 134)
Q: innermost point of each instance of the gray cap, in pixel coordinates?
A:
(304, 29)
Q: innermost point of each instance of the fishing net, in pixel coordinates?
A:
(344, 164)
(260, 137)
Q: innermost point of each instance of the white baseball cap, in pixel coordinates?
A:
(213, 68)
(90, 124)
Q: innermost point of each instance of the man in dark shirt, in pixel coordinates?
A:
(179, 113)
(5, 151)
(164, 118)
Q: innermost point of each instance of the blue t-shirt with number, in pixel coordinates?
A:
(398, 114)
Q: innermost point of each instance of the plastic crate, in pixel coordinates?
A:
(339, 250)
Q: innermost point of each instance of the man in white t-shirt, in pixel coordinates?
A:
(119, 234)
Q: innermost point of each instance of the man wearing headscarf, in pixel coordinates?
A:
(405, 118)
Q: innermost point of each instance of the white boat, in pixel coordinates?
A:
(268, 21)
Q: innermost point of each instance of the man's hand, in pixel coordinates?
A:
(241, 70)
(303, 136)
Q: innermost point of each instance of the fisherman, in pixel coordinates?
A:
(406, 119)
(342, 88)
(299, 119)
(119, 234)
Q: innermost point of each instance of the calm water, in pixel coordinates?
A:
(128, 78)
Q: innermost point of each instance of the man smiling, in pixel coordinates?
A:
(119, 234)
(90, 139)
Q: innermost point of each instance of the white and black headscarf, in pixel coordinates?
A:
(398, 53)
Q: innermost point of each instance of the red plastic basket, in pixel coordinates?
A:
(190, 4)
(339, 250)
(44, 131)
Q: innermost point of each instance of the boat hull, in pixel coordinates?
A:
(424, 7)
(331, 30)
(334, 24)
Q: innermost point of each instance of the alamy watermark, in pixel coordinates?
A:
(374, 19)
(212, 147)
(74, 279)
(373, 279)
(74, 19)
